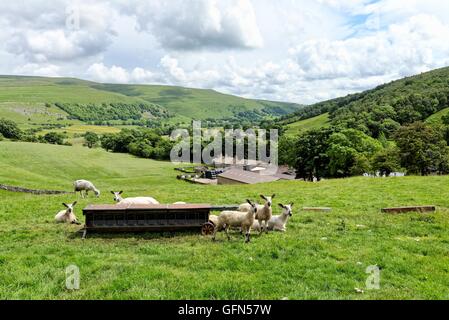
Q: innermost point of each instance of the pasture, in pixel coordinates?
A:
(317, 122)
(322, 255)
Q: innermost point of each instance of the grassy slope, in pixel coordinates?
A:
(184, 103)
(308, 124)
(321, 255)
(437, 117)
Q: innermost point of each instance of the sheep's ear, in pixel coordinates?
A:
(65, 205)
(274, 195)
(74, 204)
(263, 197)
(120, 192)
(113, 192)
(292, 205)
(281, 205)
(249, 201)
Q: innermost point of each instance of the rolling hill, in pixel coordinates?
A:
(387, 106)
(37, 100)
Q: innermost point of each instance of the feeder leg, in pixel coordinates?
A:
(84, 234)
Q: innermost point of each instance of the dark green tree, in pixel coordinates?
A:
(91, 139)
(423, 149)
(10, 130)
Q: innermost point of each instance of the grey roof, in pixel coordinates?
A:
(247, 177)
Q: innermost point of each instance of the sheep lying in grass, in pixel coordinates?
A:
(236, 219)
(277, 223)
(139, 200)
(264, 212)
(86, 186)
(68, 215)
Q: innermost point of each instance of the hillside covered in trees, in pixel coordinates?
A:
(382, 130)
(386, 107)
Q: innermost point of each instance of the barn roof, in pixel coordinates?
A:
(247, 177)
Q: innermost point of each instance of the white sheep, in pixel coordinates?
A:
(236, 219)
(139, 200)
(277, 223)
(264, 212)
(68, 215)
(86, 186)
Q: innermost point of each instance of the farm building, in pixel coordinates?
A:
(238, 176)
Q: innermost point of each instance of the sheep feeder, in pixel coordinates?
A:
(149, 218)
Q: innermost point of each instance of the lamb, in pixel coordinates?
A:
(139, 200)
(278, 223)
(264, 212)
(86, 186)
(68, 215)
(233, 219)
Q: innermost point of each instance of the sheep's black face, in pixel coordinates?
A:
(268, 200)
(117, 196)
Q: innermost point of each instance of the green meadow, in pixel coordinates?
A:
(322, 255)
(317, 122)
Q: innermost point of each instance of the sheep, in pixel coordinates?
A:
(139, 200)
(68, 215)
(86, 186)
(264, 212)
(277, 223)
(232, 219)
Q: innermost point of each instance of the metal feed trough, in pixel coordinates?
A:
(149, 218)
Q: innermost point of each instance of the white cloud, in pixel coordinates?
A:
(63, 31)
(295, 50)
(407, 48)
(199, 24)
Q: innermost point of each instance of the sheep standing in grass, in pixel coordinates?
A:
(277, 223)
(139, 200)
(264, 212)
(236, 219)
(86, 186)
(68, 215)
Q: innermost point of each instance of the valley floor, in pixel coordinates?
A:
(322, 255)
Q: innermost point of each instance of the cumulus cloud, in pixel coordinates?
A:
(407, 48)
(199, 24)
(300, 51)
(62, 31)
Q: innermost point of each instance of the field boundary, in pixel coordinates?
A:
(32, 191)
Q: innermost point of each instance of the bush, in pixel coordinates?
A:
(10, 130)
(54, 138)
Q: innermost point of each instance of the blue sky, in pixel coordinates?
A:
(292, 50)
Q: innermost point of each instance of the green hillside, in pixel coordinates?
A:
(35, 100)
(317, 122)
(386, 107)
(321, 256)
(437, 118)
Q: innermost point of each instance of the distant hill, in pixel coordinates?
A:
(38, 100)
(385, 107)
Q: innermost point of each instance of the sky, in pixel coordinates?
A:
(300, 51)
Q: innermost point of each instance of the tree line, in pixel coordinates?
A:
(10, 130)
(335, 152)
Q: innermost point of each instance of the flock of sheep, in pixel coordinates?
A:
(250, 216)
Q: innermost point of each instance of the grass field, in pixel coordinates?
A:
(308, 124)
(322, 255)
(437, 117)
